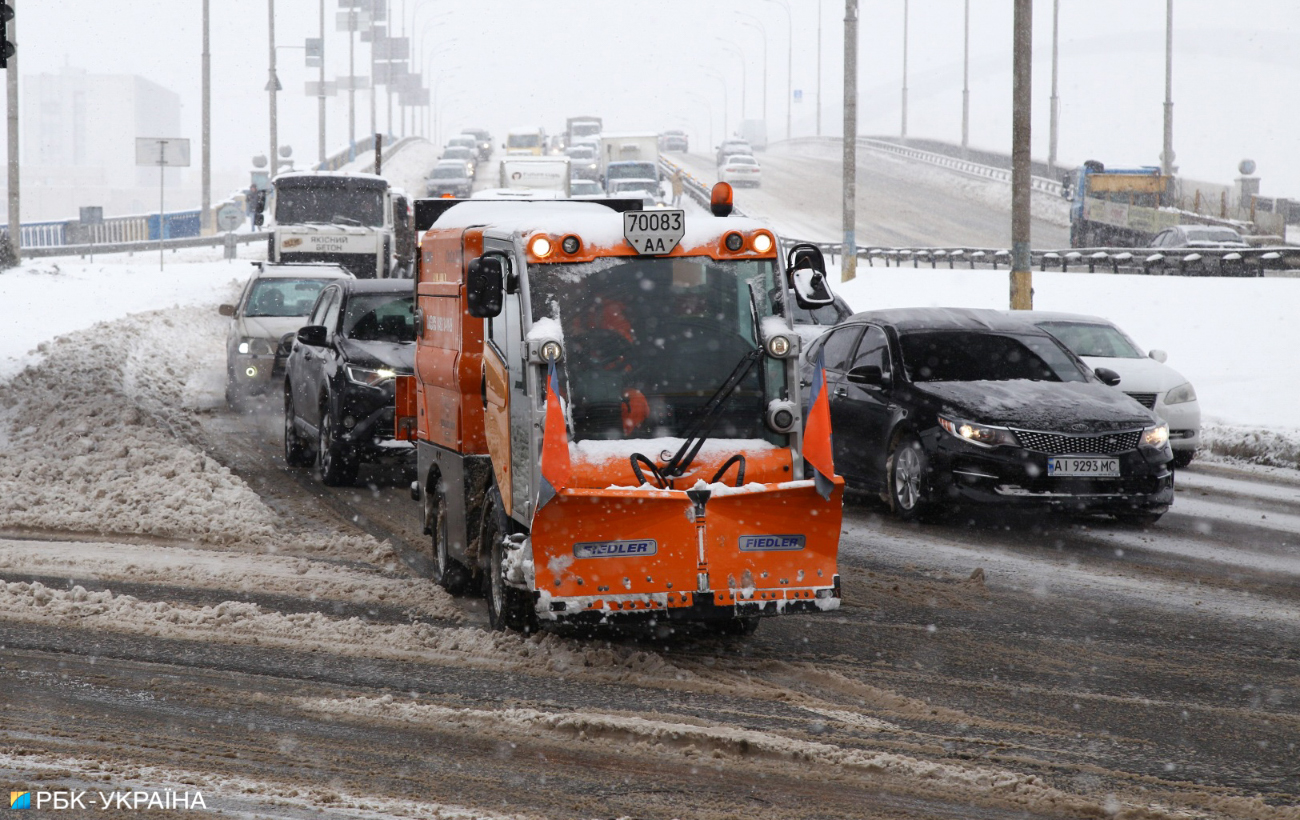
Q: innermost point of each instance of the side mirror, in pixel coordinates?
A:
(1107, 376)
(867, 374)
(806, 274)
(226, 310)
(1159, 355)
(313, 335)
(485, 286)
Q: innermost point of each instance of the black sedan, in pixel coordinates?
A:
(935, 408)
(340, 378)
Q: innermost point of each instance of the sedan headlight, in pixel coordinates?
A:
(980, 434)
(1156, 437)
(368, 377)
(1181, 394)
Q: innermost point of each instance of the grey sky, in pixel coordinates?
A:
(511, 62)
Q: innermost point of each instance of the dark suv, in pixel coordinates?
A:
(340, 377)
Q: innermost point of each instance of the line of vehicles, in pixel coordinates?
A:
(611, 411)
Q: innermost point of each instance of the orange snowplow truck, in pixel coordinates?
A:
(607, 414)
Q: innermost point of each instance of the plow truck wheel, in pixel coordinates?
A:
(448, 573)
(508, 608)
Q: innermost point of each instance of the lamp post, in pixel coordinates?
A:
(272, 85)
(1167, 155)
(428, 57)
(205, 210)
(744, 74)
(965, 85)
(789, 64)
(708, 105)
(1054, 113)
(849, 183)
(754, 23)
(726, 103)
(903, 130)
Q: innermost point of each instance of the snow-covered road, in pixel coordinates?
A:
(270, 633)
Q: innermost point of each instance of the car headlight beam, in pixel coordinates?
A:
(1156, 437)
(369, 377)
(979, 434)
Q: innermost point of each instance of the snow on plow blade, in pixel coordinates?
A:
(761, 549)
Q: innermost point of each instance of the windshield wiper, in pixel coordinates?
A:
(340, 219)
(699, 430)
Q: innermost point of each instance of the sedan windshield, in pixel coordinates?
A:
(283, 297)
(649, 340)
(329, 201)
(1086, 339)
(380, 317)
(448, 172)
(970, 356)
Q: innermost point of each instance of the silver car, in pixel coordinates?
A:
(274, 304)
(1144, 376)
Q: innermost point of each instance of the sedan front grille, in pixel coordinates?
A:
(1062, 444)
(1147, 400)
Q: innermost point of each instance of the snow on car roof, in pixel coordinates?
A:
(1054, 316)
(315, 270)
(940, 318)
(597, 225)
(329, 174)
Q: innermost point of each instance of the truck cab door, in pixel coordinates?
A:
(503, 370)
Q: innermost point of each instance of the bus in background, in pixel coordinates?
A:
(526, 141)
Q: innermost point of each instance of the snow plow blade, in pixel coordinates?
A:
(757, 550)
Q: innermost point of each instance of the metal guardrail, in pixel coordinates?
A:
(1044, 185)
(141, 246)
(1200, 262)
(139, 227)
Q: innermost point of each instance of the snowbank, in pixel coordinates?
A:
(101, 437)
(47, 298)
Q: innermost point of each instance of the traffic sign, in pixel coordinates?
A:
(171, 152)
(229, 217)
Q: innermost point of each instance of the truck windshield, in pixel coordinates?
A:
(649, 340)
(530, 140)
(631, 170)
(331, 201)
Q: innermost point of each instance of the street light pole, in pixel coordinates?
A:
(273, 157)
(1022, 284)
(789, 64)
(819, 68)
(744, 75)
(1167, 155)
(205, 206)
(965, 86)
(849, 259)
(1054, 114)
(758, 24)
(903, 132)
(11, 104)
(320, 89)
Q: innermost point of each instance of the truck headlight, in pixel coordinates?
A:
(981, 434)
(1156, 437)
(1181, 394)
(368, 377)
